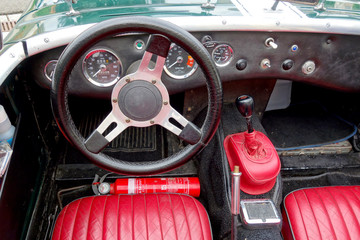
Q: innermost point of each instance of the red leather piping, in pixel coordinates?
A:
(143, 216)
(323, 213)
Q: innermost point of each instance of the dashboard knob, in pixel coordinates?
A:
(241, 64)
(287, 64)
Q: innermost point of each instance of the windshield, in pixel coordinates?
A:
(110, 3)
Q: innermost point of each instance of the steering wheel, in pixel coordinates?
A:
(139, 99)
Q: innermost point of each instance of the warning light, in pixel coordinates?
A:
(190, 61)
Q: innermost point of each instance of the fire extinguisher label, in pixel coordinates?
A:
(131, 186)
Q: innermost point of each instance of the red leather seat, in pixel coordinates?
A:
(148, 216)
(322, 213)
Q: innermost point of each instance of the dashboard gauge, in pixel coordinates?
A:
(102, 67)
(49, 69)
(179, 64)
(222, 54)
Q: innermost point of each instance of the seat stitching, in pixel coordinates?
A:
(201, 223)
(172, 211)
(146, 221)
(157, 200)
(337, 206)
(352, 210)
(327, 213)
(288, 218)
(312, 211)
(87, 226)
(104, 216)
(118, 216)
(132, 217)
(186, 216)
(357, 198)
(62, 221)
(297, 204)
(354, 193)
(72, 229)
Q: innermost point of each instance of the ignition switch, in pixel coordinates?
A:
(308, 67)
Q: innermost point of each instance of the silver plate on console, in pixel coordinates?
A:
(259, 213)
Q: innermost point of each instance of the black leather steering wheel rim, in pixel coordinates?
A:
(74, 51)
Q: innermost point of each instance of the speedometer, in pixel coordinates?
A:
(179, 64)
(102, 67)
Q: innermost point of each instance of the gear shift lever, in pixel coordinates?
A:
(253, 152)
(245, 105)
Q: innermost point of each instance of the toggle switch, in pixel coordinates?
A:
(265, 63)
(270, 42)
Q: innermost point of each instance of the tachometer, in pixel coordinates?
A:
(222, 55)
(179, 64)
(102, 67)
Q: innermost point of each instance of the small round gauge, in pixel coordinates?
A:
(179, 64)
(102, 67)
(222, 54)
(49, 69)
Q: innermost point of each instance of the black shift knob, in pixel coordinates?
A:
(245, 105)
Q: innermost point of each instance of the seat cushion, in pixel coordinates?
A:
(143, 216)
(322, 213)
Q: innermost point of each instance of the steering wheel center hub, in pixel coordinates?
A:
(140, 100)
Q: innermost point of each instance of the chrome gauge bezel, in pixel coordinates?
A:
(46, 66)
(94, 81)
(227, 62)
(184, 76)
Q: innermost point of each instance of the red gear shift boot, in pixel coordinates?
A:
(257, 158)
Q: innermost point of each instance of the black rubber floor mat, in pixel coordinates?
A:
(305, 125)
(133, 144)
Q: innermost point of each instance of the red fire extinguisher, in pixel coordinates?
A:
(186, 185)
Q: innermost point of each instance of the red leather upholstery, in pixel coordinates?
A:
(149, 216)
(323, 213)
(257, 158)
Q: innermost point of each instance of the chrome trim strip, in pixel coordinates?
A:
(10, 58)
(47, 41)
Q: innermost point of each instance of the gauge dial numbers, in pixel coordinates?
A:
(222, 55)
(179, 64)
(102, 67)
(49, 69)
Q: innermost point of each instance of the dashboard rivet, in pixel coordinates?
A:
(46, 40)
(114, 100)
(12, 55)
(152, 121)
(153, 81)
(166, 102)
(127, 120)
(127, 80)
(224, 22)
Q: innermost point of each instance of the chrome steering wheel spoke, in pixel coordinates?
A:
(109, 129)
(180, 126)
